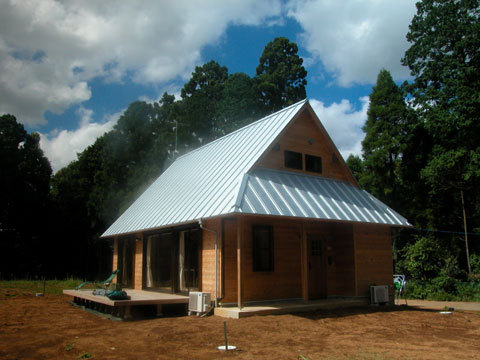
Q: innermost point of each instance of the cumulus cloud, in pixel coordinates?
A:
(344, 124)
(62, 146)
(50, 49)
(355, 39)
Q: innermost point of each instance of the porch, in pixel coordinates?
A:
(289, 306)
(123, 307)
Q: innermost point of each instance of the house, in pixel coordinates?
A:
(267, 212)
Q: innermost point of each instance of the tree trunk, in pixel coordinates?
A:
(466, 234)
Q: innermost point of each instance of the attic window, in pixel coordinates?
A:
(262, 244)
(313, 163)
(293, 160)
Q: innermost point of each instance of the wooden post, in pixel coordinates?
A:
(115, 257)
(138, 263)
(304, 262)
(240, 232)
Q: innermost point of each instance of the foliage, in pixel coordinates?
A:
(383, 145)
(24, 197)
(430, 290)
(281, 77)
(356, 166)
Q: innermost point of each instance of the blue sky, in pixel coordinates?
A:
(69, 69)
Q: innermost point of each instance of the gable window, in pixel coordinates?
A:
(293, 160)
(262, 236)
(313, 163)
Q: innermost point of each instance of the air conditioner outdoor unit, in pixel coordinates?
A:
(199, 302)
(379, 294)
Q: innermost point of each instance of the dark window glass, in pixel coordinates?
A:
(313, 163)
(293, 160)
(262, 248)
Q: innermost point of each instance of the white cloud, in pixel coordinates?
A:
(343, 124)
(62, 147)
(355, 39)
(50, 50)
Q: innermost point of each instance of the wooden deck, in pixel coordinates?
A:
(122, 308)
(290, 306)
(137, 297)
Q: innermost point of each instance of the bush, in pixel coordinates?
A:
(443, 289)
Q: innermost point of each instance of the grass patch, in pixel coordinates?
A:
(69, 347)
(85, 355)
(13, 288)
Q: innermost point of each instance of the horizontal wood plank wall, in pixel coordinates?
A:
(373, 256)
(208, 257)
(115, 257)
(341, 269)
(285, 281)
(344, 260)
(296, 138)
(138, 263)
(230, 258)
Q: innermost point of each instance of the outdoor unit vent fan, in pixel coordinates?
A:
(379, 294)
(199, 302)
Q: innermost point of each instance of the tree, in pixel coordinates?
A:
(356, 166)
(281, 77)
(24, 200)
(238, 105)
(201, 96)
(385, 133)
(444, 60)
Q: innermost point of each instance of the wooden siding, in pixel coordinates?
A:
(208, 258)
(284, 282)
(230, 258)
(340, 250)
(138, 263)
(373, 257)
(296, 138)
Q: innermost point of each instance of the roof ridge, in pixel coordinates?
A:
(243, 128)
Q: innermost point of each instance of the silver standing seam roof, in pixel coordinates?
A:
(215, 180)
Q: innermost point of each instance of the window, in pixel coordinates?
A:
(262, 236)
(313, 163)
(293, 160)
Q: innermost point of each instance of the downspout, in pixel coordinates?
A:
(216, 258)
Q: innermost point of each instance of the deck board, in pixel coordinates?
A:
(137, 297)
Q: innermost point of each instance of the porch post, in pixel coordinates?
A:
(138, 262)
(240, 232)
(304, 262)
(115, 256)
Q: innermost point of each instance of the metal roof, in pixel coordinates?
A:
(273, 192)
(206, 181)
(215, 180)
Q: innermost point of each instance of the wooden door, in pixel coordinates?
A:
(317, 264)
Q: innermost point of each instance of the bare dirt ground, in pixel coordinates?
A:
(50, 328)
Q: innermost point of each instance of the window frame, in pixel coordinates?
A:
(287, 161)
(257, 249)
(308, 158)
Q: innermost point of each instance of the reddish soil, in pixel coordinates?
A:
(50, 328)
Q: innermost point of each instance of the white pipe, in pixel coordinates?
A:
(216, 259)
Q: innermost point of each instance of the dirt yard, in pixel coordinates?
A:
(50, 328)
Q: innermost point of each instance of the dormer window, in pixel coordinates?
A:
(313, 163)
(293, 160)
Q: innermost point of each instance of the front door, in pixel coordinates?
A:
(317, 264)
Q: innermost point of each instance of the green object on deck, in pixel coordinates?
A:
(104, 283)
